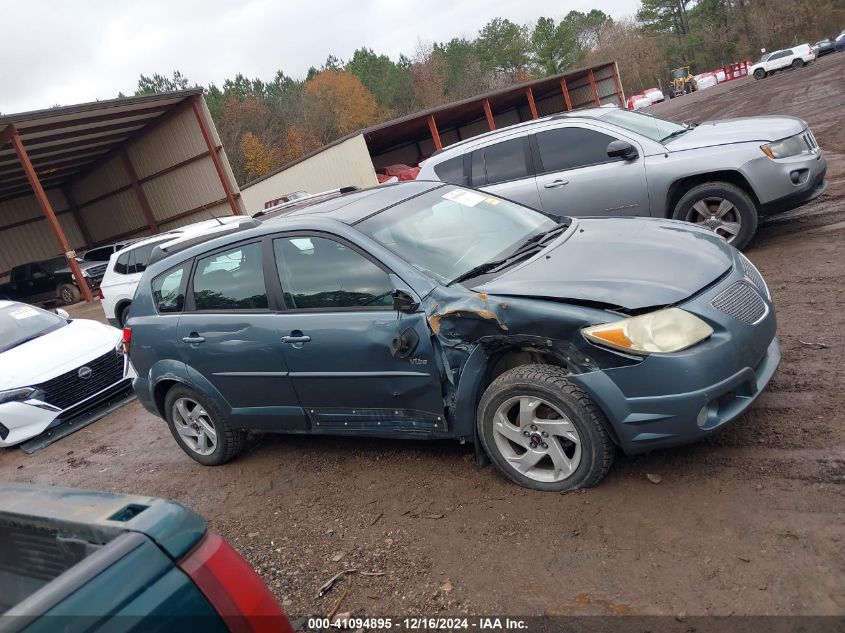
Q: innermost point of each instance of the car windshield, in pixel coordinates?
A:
(764, 58)
(20, 323)
(659, 130)
(449, 231)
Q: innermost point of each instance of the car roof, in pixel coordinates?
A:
(354, 206)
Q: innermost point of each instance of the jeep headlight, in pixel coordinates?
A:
(792, 146)
(661, 332)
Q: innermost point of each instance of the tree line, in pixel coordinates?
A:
(266, 124)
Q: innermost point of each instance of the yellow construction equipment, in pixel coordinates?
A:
(681, 82)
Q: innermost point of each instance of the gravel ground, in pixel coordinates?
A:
(749, 522)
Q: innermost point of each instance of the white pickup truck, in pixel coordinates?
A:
(794, 57)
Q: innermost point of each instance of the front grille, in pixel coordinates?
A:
(96, 271)
(742, 302)
(810, 140)
(69, 388)
(753, 274)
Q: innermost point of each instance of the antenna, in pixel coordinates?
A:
(219, 221)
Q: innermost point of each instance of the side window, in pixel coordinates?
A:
(477, 175)
(231, 280)
(36, 272)
(572, 147)
(169, 289)
(99, 254)
(141, 256)
(124, 262)
(452, 171)
(21, 273)
(317, 272)
(505, 161)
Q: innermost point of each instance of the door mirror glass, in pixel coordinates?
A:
(621, 149)
(403, 302)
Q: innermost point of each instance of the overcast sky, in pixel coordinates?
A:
(62, 52)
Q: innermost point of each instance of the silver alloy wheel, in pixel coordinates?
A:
(720, 215)
(537, 439)
(67, 295)
(194, 425)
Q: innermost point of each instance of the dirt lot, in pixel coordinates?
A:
(751, 522)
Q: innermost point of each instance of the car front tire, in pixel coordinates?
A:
(759, 73)
(200, 428)
(721, 207)
(69, 294)
(543, 432)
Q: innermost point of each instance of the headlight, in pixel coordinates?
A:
(792, 146)
(660, 332)
(16, 395)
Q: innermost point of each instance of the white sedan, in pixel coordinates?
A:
(54, 369)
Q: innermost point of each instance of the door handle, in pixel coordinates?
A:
(193, 339)
(296, 339)
(554, 184)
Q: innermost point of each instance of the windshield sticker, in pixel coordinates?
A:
(23, 313)
(466, 198)
(491, 200)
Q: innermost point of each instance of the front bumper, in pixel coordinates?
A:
(786, 183)
(21, 421)
(673, 399)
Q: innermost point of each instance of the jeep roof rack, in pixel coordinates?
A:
(308, 200)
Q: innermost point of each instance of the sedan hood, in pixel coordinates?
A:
(760, 129)
(55, 353)
(630, 263)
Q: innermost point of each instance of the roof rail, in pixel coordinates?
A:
(169, 248)
(307, 200)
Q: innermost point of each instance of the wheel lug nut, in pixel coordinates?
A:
(533, 427)
(544, 445)
(526, 433)
(545, 434)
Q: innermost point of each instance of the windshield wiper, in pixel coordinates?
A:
(529, 246)
(22, 341)
(683, 130)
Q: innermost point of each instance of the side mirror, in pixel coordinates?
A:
(403, 302)
(621, 149)
(62, 313)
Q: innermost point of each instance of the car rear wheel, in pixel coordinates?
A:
(69, 294)
(721, 207)
(797, 63)
(199, 427)
(543, 432)
(759, 73)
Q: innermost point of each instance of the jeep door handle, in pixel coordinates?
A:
(193, 339)
(296, 339)
(554, 184)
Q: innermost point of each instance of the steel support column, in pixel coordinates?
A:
(47, 209)
(435, 135)
(215, 158)
(139, 193)
(619, 91)
(489, 114)
(77, 215)
(531, 105)
(566, 100)
(593, 86)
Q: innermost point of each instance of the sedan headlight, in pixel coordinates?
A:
(660, 332)
(792, 146)
(16, 395)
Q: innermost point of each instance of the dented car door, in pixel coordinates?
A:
(356, 363)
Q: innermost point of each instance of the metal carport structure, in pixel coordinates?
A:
(107, 170)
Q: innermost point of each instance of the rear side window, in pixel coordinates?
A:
(452, 171)
(231, 280)
(21, 273)
(125, 262)
(99, 254)
(505, 161)
(572, 147)
(320, 273)
(142, 256)
(169, 289)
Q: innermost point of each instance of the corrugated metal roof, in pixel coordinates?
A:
(66, 141)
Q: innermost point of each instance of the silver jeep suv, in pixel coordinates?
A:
(721, 174)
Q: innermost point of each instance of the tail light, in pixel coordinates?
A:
(233, 588)
(100, 294)
(127, 339)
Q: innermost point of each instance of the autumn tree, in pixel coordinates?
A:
(345, 103)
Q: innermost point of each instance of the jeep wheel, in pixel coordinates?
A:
(759, 73)
(797, 63)
(198, 426)
(543, 432)
(721, 207)
(69, 294)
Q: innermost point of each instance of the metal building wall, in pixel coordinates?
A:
(346, 163)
